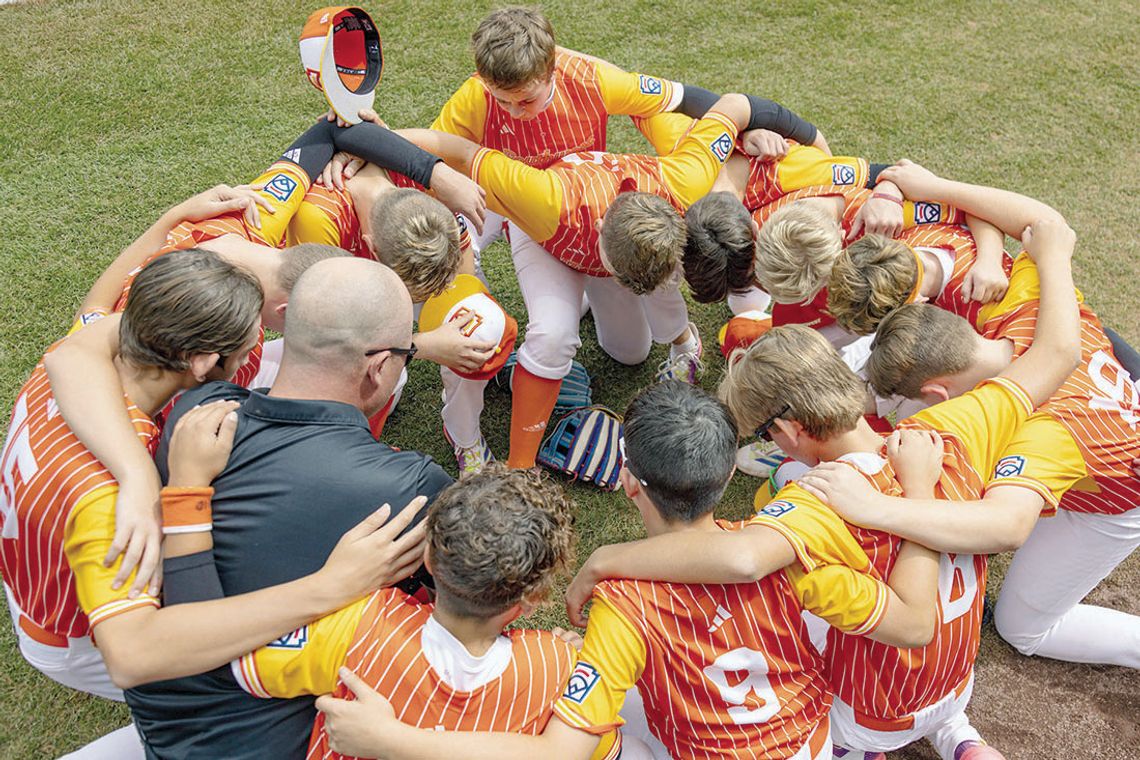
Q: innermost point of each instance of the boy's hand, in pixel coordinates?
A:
(1049, 239)
(578, 595)
(916, 457)
(357, 727)
(201, 444)
(986, 282)
(447, 346)
(222, 199)
(459, 194)
(879, 216)
(373, 554)
(138, 534)
(916, 183)
(340, 169)
(573, 638)
(844, 489)
(764, 144)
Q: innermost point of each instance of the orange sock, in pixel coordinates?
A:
(532, 402)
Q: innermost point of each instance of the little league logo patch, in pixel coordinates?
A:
(927, 213)
(649, 85)
(842, 174)
(1008, 467)
(281, 187)
(295, 640)
(721, 147)
(582, 681)
(777, 508)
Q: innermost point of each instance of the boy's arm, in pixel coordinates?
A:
(89, 393)
(986, 281)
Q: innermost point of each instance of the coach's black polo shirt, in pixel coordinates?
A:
(301, 474)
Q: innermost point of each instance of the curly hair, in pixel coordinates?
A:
(874, 276)
(498, 538)
(720, 254)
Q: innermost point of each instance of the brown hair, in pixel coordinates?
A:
(916, 343)
(497, 538)
(793, 366)
(188, 302)
(795, 250)
(720, 254)
(297, 258)
(418, 238)
(872, 277)
(514, 46)
(644, 238)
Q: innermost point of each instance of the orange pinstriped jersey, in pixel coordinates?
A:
(724, 670)
(884, 684)
(1099, 407)
(915, 217)
(48, 477)
(558, 207)
(804, 166)
(957, 240)
(586, 91)
(385, 652)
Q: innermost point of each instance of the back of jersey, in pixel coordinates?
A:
(729, 670)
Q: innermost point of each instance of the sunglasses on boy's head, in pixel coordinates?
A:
(765, 430)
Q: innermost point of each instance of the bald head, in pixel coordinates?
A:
(342, 307)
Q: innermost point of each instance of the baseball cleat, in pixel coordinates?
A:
(683, 365)
(975, 750)
(759, 458)
(470, 459)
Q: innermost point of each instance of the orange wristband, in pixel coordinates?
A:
(187, 510)
(887, 196)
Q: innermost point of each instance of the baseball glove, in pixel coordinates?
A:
(574, 393)
(586, 445)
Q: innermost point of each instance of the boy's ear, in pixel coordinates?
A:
(790, 428)
(754, 227)
(427, 558)
(934, 392)
(279, 309)
(201, 365)
(629, 484)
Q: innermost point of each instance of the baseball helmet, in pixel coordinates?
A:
(467, 300)
(342, 56)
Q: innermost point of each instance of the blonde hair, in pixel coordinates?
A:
(795, 250)
(514, 46)
(418, 238)
(793, 372)
(644, 239)
(871, 278)
(916, 343)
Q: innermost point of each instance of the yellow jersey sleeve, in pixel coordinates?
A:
(982, 420)
(1024, 287)
(832, 573)
(610, 663)
(664, 131)
(632, 94)
(808, 166)
(284, 185)
(312, 224)
(690, 170)
(1043, 457)
(87, 538)
(304, 661)
(465, 112)
(529, 197)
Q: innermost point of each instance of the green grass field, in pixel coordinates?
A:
(115, 111)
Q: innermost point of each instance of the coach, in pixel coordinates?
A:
(304, 469)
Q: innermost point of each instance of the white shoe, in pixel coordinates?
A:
(470, 460)
(759, 458)
(685, 366)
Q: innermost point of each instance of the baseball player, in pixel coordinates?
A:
(1070, 463)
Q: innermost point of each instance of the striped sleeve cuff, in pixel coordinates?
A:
(1039, 488)
(573, 719)
(803, 556)
(105, 612)
(877, 613)
(244, 670)
(724, 121)
(477, 163)
(1015, 390)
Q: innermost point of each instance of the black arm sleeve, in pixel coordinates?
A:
(387, 150)
(193, 578)
(768, 114)
(312, 150)
(1125, 354)
(696, 101)
(873, 174)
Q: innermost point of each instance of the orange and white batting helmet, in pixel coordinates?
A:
(467, 301)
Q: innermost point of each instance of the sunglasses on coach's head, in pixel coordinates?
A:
(408, 353)
(764, 431)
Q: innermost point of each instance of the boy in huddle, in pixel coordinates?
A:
(1071, 462)
(679, 643)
